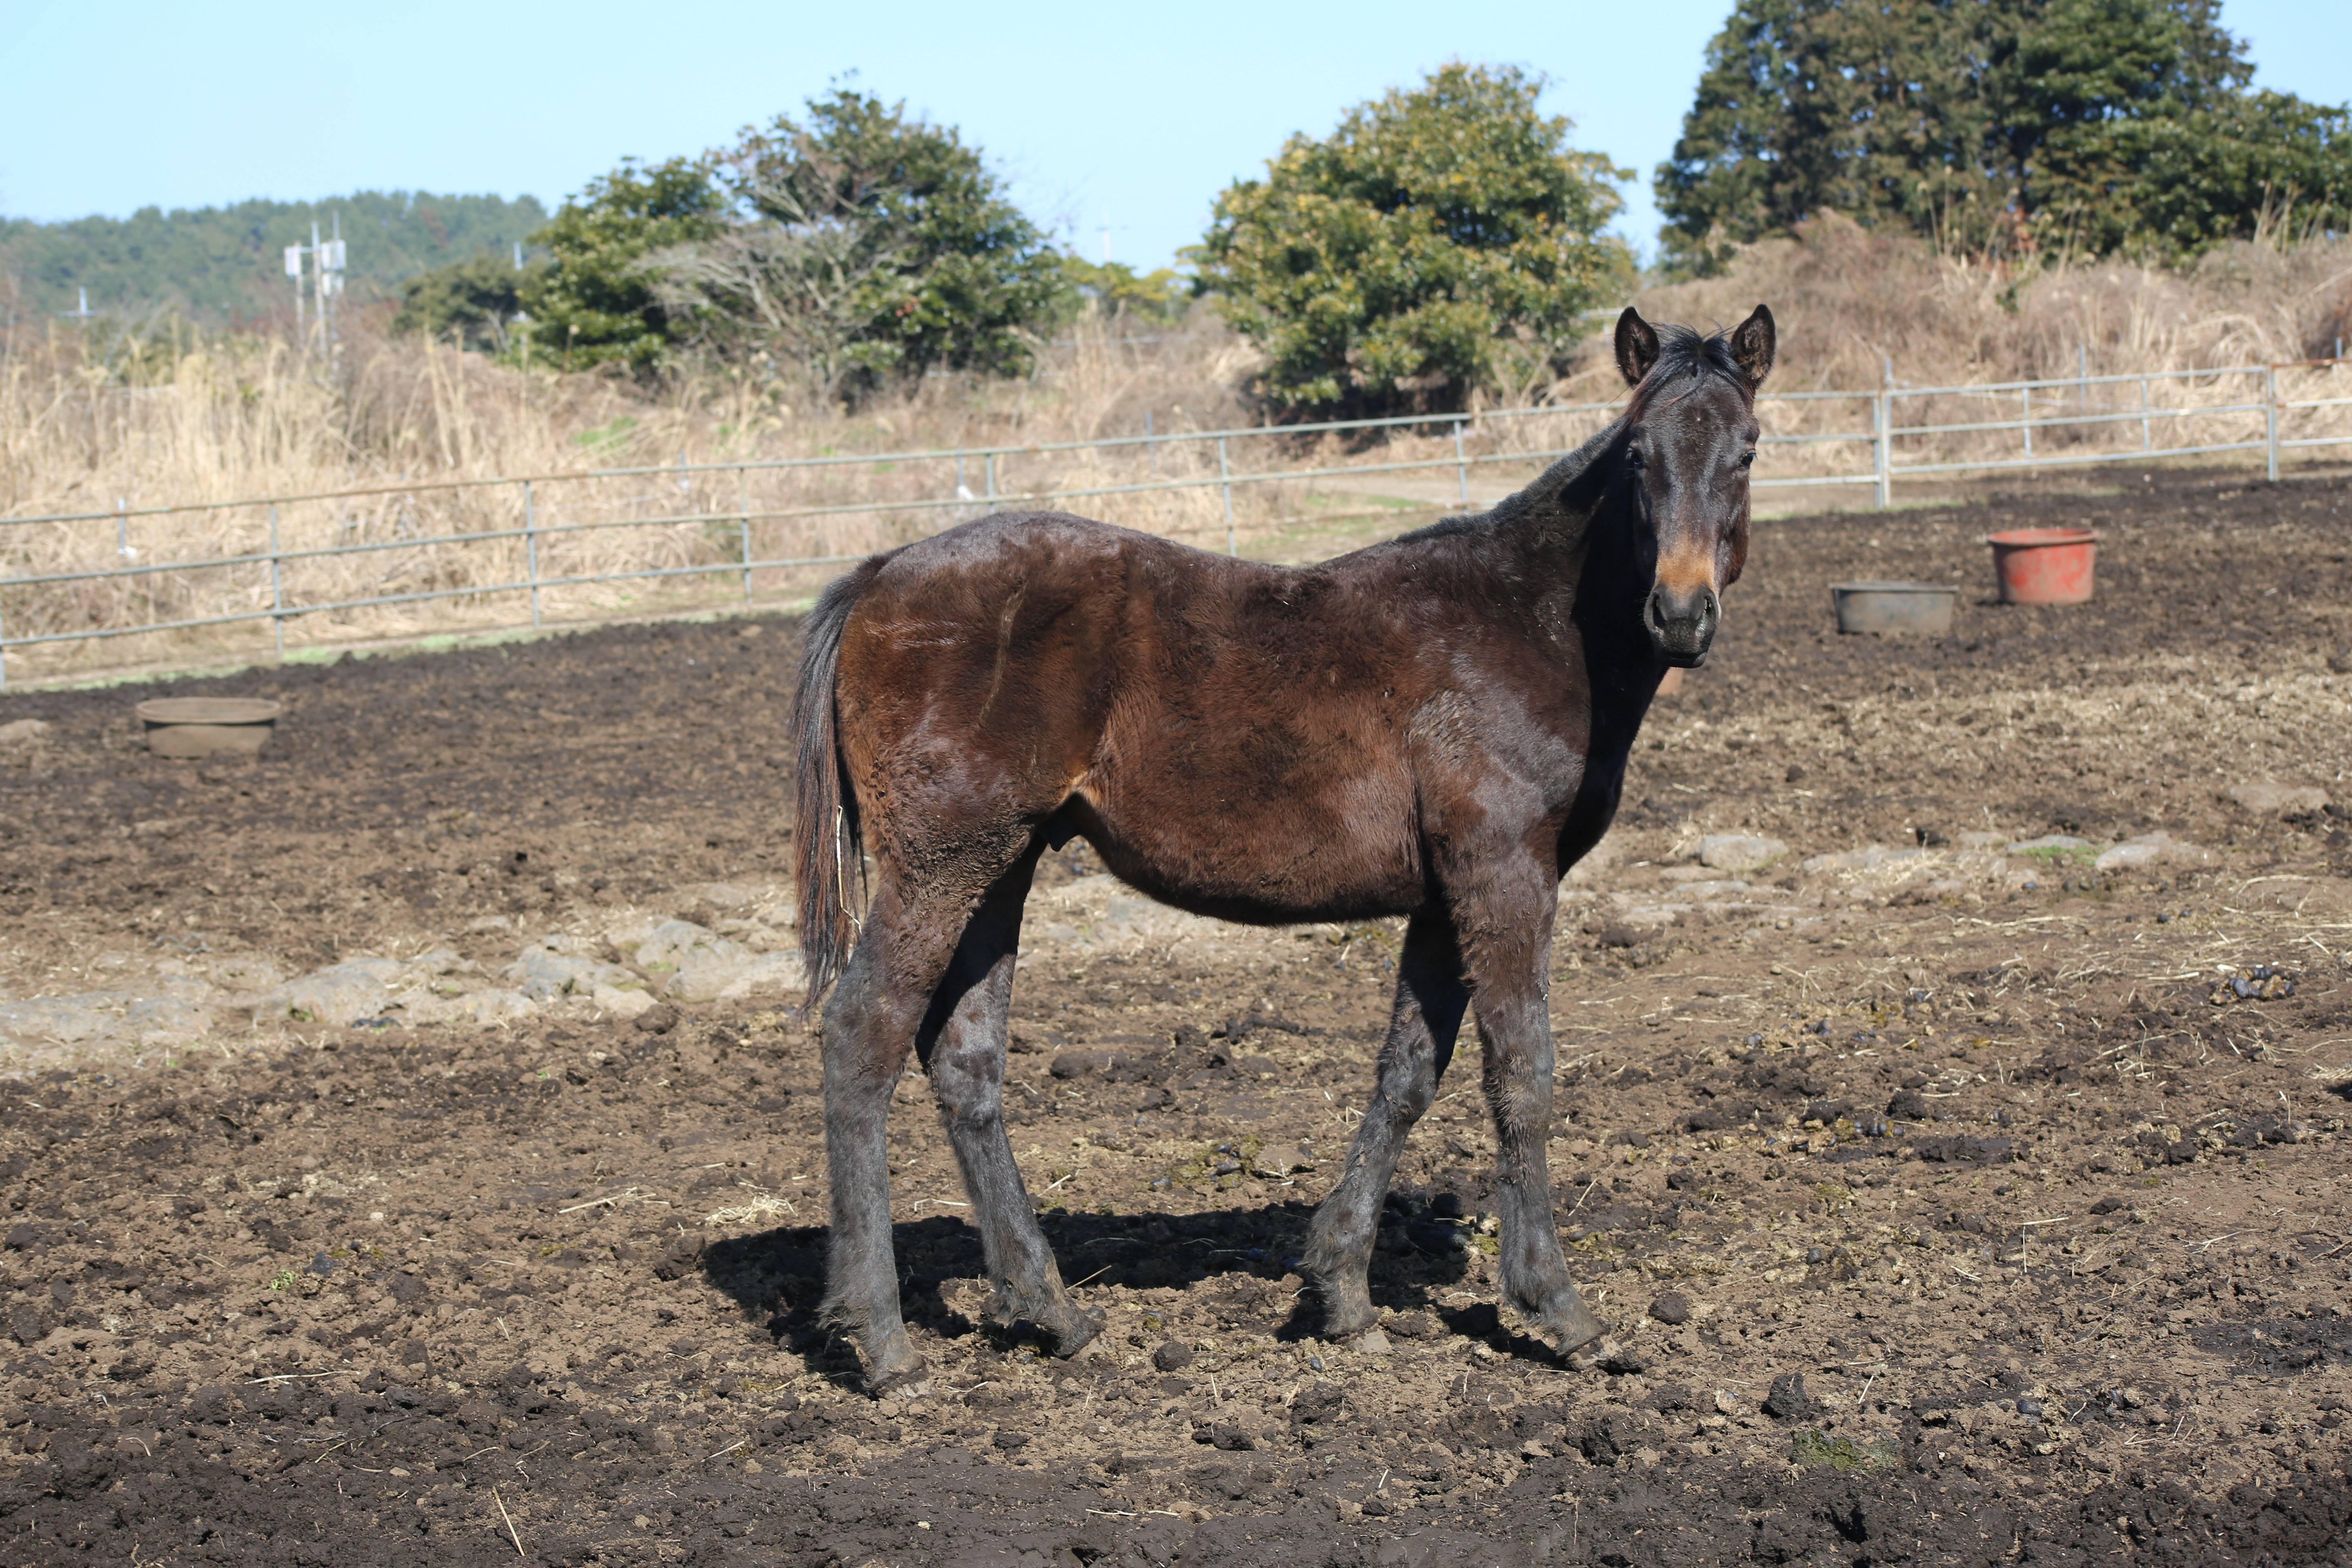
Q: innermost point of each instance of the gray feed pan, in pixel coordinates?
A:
(1893, 606)
(205, 726)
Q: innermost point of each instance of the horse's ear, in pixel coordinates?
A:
(1752, 342)
(1637, 346)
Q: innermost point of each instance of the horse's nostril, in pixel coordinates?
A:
(1667, 608)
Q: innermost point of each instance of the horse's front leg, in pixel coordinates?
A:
(1430, 999)
(1509, 956)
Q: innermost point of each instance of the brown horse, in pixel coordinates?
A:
(1435, 727)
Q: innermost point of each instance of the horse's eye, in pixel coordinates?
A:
(1747, 459)
(1633, 458)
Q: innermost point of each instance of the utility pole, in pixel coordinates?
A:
(320, 266)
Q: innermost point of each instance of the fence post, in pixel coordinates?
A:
(1150, 441)
(1224, 476)
(2025, 417)
(530, 549)
(992, 482)
(1461, 464)
(1881, 447)
(2271, 417)
(276, 587)
(743, 499)
(2144, 442)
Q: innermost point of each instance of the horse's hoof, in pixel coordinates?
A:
(1594, 1354)
(1346, 1313)
(1080, 1332)
(909, 1384)
(895, 1369)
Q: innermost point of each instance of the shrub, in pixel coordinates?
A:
(1443, 241)
(476, 301)
(863, 246)
(596, 303)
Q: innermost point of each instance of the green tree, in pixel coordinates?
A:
(597, 304)
(2090, 83)
(866, 246)
(1989, 125)
(2251, 159)
(1115, 289)
(1443, 240)
(476, 301)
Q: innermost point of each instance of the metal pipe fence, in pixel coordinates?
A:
(475, 542)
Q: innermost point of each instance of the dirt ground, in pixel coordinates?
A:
(1958, 1202)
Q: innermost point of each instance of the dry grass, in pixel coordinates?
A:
(162, 420)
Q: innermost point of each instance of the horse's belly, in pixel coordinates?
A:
(1346, 849)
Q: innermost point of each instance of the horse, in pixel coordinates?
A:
(1435, 727)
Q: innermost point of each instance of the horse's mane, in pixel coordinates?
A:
(1685, 356)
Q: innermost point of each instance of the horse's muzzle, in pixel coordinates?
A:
(1683, 622)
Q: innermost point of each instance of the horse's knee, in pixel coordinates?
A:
(968, 1105)
(1409, 1082)
(968, 1081)
(1520, 1112)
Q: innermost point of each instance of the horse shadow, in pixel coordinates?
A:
(1244, 1259)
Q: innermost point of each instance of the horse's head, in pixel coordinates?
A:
(1690, 435)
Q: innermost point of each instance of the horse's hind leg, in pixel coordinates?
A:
(1430, 999)
(869, 1024)
(962, 1043)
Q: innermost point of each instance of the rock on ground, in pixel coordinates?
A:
(703, 966)
(2278, 799)
(1738, 851)
(2152, 849)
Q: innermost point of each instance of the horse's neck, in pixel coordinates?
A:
(1612, 579)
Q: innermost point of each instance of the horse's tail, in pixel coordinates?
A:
(827, 850)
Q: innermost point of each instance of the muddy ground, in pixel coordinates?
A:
(1960, 1202)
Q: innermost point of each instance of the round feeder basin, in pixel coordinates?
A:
(1893, 606)
(207, 726)
(2045, 565)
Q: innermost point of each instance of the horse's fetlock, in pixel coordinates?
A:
(844, 1317)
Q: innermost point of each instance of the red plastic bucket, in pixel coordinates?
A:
(2045, 565)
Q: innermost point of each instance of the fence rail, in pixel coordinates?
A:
(541, 536)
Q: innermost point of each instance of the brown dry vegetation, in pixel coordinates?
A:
(89, 423)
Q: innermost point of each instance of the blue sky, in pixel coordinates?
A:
(1124, 119)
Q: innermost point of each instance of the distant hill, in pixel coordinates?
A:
(221, 265)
